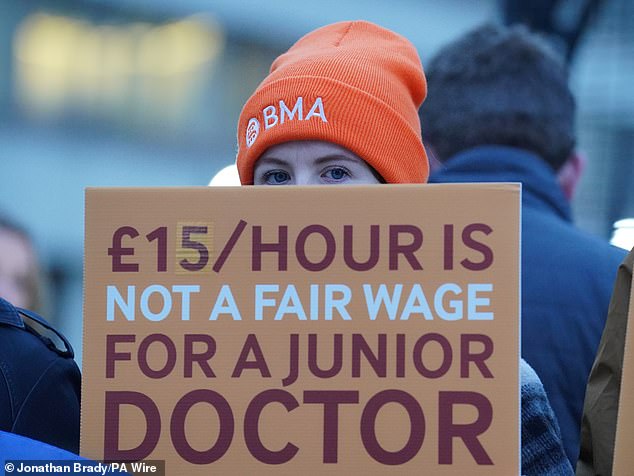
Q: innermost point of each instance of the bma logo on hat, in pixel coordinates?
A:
(253, 129)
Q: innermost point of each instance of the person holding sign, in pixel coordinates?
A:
(341, 107)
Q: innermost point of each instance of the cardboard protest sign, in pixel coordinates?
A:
(321, 330)
(623, 454)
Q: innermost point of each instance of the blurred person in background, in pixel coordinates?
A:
(317, 138)
(20, 278)
(39, 380)
(500, 110)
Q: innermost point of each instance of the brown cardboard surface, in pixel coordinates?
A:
(172, 278)
(623, 454)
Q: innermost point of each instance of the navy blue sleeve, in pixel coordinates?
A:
(50, 411)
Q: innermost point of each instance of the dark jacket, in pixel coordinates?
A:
(567, 278)
(39, 380)
(598, 427)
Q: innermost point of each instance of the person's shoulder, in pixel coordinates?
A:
(22, 327)
(596, 248)
(545, 231)
(542, 448)
(31, 348)
(40, 383)
(532, 388)
(529, 378)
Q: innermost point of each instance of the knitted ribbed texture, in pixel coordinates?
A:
(542, 449)
(370, 83)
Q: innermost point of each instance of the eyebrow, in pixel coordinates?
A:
(326, 158)
(273, 160)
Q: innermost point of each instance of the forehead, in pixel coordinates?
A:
(305, 151)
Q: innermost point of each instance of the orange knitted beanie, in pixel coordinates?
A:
(351, 83)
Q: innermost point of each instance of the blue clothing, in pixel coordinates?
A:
(17, 447)
(542, 451)
(567, 278)
(17, 450)
(39, 380)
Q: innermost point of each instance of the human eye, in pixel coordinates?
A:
(276, 177)
(336, 174)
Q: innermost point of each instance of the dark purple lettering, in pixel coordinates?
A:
(113, 402)
(400, 355)
(170, 361)
(112, 355)
(377, 362)
(348, 246)
(368, 427)
(188, 244)
(231, 243)
(479, 359)
(487, 253)
(251, 344)
(448, 256)
(337, 357)
(447, 355)
(252, 423)
(469, 432)
(293, 364)
(406, 250)
(160, 234)
(117, 250)
(331, 399)
(201, 358)
(225, 430)
(281, 248)
(300, 248)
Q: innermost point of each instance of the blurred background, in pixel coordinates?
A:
(148, 92)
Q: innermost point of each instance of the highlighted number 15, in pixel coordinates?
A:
(195, 241)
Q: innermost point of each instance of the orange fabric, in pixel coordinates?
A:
(370, 82)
